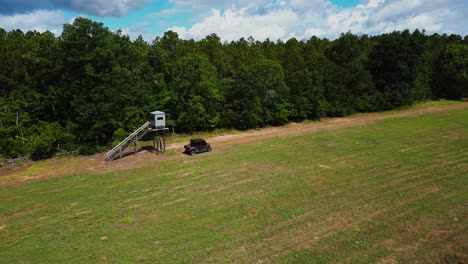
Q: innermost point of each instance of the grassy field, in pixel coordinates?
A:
(393, 191)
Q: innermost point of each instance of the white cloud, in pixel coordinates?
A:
(309, 5)
(305, 18)
(41, 21)
(274, 19)
(379, 16)
(396, 9)
(371, 3)
(235, 24)
(204, 4)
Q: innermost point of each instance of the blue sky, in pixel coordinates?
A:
(233, 19)
(346, 3)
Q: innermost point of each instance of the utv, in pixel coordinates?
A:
(197, 145)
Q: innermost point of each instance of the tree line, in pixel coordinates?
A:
(89, 87)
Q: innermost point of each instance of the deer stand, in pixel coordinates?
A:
(159, 140)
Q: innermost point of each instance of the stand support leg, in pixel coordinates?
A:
(164, 141)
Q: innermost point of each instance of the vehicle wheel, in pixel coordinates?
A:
(192, 152)
(209, 149)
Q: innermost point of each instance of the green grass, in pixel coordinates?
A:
(430, 103)
(395, 190)
(178, 138)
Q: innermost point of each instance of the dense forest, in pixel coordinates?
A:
(89, 87)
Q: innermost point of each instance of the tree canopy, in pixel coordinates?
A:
(88, 87)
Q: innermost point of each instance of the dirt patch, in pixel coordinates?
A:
(412, 238)
(81, 213)
(244, 181)
(387, 260)
(183, 186)
(253, 213)
(173, 202)
(287, 237)
(96, 164)
(134, 206)
(29, 211)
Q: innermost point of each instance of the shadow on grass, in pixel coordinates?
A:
(150, 149)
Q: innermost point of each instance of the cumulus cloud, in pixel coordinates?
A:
(100, 8)
(40, 20)
(304, 18)
(201, 8)
(203, 4)
(234, 24)
(309, 5)
(261, 19)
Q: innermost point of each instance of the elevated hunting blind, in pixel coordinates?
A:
(156, 124)
(158, 119)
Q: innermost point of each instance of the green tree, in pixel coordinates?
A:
(196, 88)
(394, 64)
(243, 108)
(217, 55)
(452, 80)
(92, 79)
(293, 59)
(274, 94)
(46, 139)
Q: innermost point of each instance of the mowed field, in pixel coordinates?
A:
(391, 191)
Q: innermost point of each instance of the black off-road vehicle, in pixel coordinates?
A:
(197, 145)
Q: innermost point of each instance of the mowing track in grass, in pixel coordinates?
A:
(390, 191)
